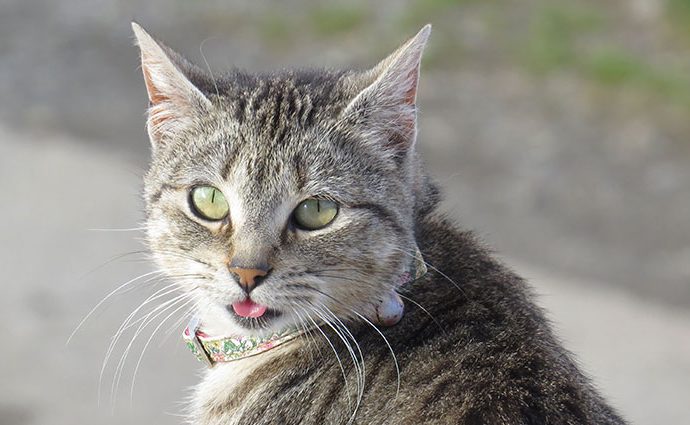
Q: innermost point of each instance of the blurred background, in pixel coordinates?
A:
(560, 130)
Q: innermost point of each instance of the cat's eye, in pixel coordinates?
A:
(312, 213)
(209, 203)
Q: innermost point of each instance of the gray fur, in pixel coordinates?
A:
(472, 348)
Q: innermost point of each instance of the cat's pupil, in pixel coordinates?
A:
(313, 214)
(209, 203)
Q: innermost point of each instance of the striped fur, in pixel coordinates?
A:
(472, 347)
(484, 355)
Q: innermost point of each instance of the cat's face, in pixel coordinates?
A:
(281, 199)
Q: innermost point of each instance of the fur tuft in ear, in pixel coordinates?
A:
(173, 99)
(387, 106)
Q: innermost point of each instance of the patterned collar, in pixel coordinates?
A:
(211, 350)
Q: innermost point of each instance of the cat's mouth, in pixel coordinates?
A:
(252, 315)
(249, 308)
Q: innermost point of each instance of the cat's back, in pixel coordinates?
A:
(471, 349)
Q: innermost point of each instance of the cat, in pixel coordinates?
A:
(294, 203)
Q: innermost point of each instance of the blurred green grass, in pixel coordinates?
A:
(617, 68)
(577, 39)
(550, 42)
(678, 13)
(334, 19)
(584, 39)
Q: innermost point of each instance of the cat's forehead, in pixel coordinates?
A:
(266, 124)
(259, 164)
(261, 121)
(270, 136)
(294, 98)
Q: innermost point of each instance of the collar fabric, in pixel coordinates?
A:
(211, 350)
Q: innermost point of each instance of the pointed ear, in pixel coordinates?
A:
(173, 100)
(387, 106)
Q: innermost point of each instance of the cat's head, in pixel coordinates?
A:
(281, 198)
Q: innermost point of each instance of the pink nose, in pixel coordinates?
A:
(248, 278)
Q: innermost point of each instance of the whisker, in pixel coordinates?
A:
(395, 359)
(116, 337)
(142, 318)
(338, 332)
(179, 322)
(340, 363)
(120, 366)
(424, 310)
(129, 282)
(148, 341)
(358, 362)
(110, 260)
(307, 334)
(390, 348)
(401, 295)
(131, 229)
(203, 56)
(431, 266)
(182, 255)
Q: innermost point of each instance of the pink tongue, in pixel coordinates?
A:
(249, 308)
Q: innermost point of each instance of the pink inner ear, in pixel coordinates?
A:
(155, 96)
(404, 130)
(405, 119)
(167, 103)
(410, 95)
(408, 121)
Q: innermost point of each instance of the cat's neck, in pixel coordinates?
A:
(218, 391)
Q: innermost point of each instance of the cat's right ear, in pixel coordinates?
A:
(173, 100)
(386, 108)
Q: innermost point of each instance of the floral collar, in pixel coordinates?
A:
(211, 350)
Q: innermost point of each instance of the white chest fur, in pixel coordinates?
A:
(210, 400)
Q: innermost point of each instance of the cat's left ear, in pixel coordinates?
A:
(174, 100)
(387, 105)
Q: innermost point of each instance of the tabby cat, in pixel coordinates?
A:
(294, 203)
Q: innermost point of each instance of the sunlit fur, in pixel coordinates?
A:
(269, 142)
(472, 347)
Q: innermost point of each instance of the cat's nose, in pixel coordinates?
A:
(249, 278)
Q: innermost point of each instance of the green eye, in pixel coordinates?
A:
(209, 203)
(312, 214)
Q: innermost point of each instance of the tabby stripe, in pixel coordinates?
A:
(280, 137)
(232, 156)
(292, 103)
(276, 121)
(435, 390)
(240, 110)
(260, 96)
(300, 172)
(381, 212)
(155, 197)
(308, 114)
(374, 368)
(326, 401)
